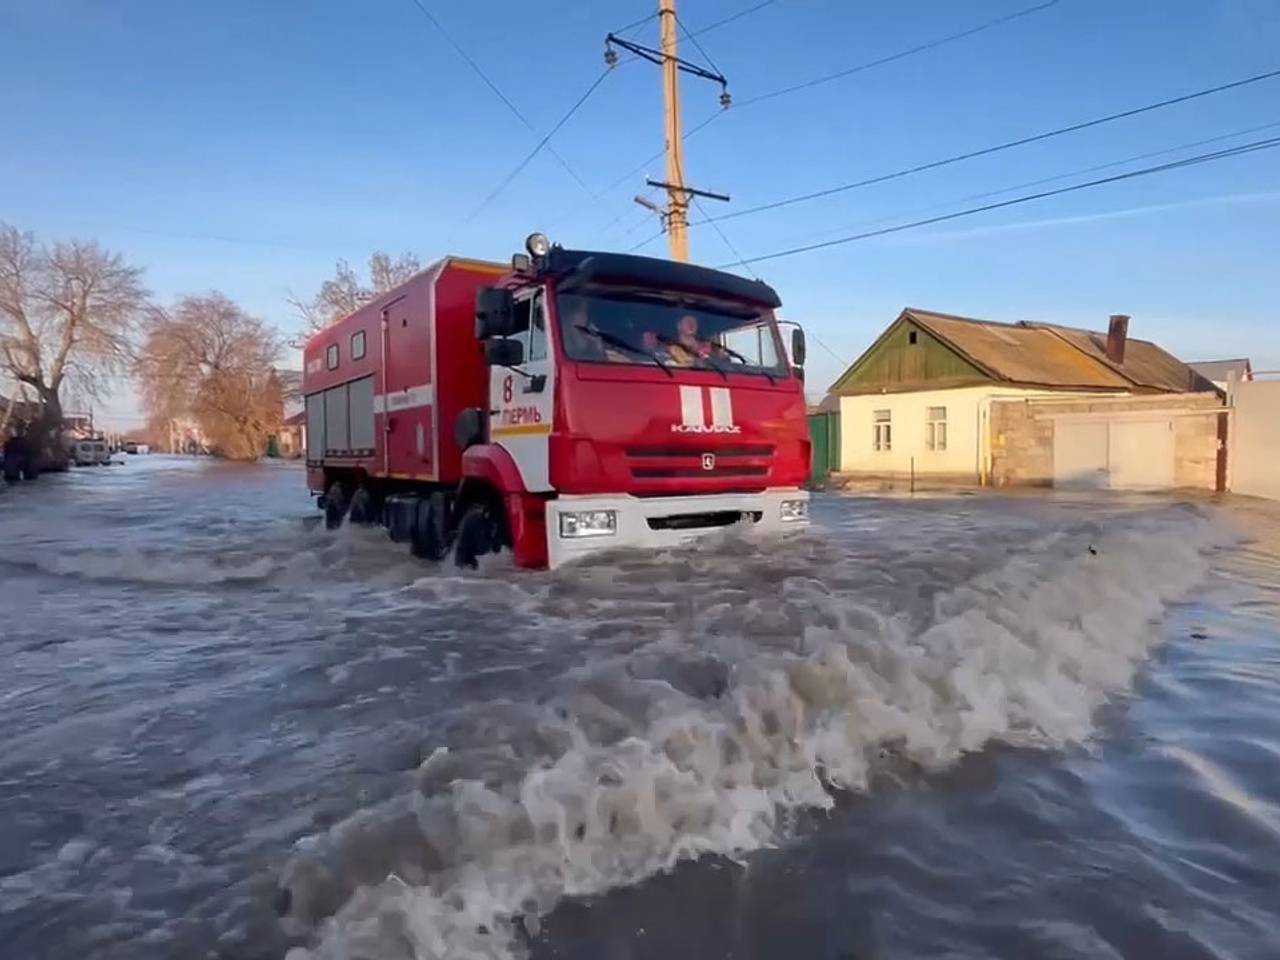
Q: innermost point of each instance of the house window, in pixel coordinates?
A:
(882, 437)
(357, 345)
(911, 338)
(331, 357)
(935, 428)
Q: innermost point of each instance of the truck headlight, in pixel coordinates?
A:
(589, 523)
(792, 510)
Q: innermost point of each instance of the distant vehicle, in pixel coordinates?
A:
(90, 453)
(133, 447)
(568, 403)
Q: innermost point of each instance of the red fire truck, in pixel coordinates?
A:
(567, 403)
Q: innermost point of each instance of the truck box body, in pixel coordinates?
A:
(386, 408)
(647, 403)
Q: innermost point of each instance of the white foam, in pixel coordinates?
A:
(623, 773)
(141, 567)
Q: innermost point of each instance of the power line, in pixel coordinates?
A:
(528, 157)
(1064, 176)
(1253, 147)
(900, 55)
(727, 242)
(871, 64)
(637, 23)
(646, 241)
(731, 18)
(1007, 145)
(493, 86)
(822, 343)
(694, 40)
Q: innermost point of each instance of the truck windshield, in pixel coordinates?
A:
(633, 329)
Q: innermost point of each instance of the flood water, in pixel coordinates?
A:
(954, 727)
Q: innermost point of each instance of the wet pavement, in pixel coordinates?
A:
(969, 726)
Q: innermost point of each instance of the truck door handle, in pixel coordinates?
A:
(536, 383)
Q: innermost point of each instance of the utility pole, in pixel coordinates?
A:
(677, 199)
(679, 194)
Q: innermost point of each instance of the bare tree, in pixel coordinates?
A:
(208, 359)
(345, 292)
(67, 313)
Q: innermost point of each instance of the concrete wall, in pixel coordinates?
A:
(967, 435)
(1255, 438)
(1022, 433)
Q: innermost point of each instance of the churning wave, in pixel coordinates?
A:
(798, 675)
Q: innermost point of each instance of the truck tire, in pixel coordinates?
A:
(335, 506)
(477, 536)
(400, 514)
(429, 540)
(364, 509)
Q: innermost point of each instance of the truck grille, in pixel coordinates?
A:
(671, 462)
(702, 521)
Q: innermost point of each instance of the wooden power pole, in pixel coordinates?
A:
(677, 199)
(679, 193)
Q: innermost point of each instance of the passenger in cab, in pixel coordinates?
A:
(581, 343)
(584, 340)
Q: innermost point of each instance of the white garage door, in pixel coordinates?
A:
(1141, 454)
(1080, 454)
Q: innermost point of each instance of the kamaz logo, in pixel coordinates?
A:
(698, 405)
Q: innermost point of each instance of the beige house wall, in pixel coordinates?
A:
(967, 455)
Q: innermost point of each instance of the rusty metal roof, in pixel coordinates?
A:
(1020, 353)
(1044, 354)
(1146, 364)
(1222, 369)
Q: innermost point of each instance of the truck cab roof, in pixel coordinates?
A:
(625, 269)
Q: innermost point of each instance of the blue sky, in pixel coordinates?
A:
(245, 146)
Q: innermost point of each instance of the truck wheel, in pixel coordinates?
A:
(477, 536)
(364, 509)
(335, 506)
(428, 539)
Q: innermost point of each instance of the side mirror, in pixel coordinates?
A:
(504, 353)
(797, 346)
(495, 313)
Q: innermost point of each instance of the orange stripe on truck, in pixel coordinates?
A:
(521, 430)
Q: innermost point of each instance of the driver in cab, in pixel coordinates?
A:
(687, 349)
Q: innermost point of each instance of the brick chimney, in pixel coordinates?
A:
(1117, 335)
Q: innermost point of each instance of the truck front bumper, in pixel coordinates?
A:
(656, 523)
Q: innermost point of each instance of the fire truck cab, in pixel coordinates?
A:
(582, 401)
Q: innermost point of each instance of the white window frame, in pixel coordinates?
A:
(935, 439)
(358, 336)
(882, 431)
(332, 357)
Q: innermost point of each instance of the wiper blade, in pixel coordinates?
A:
(715, 366)
(621, 344)
(748, 362)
